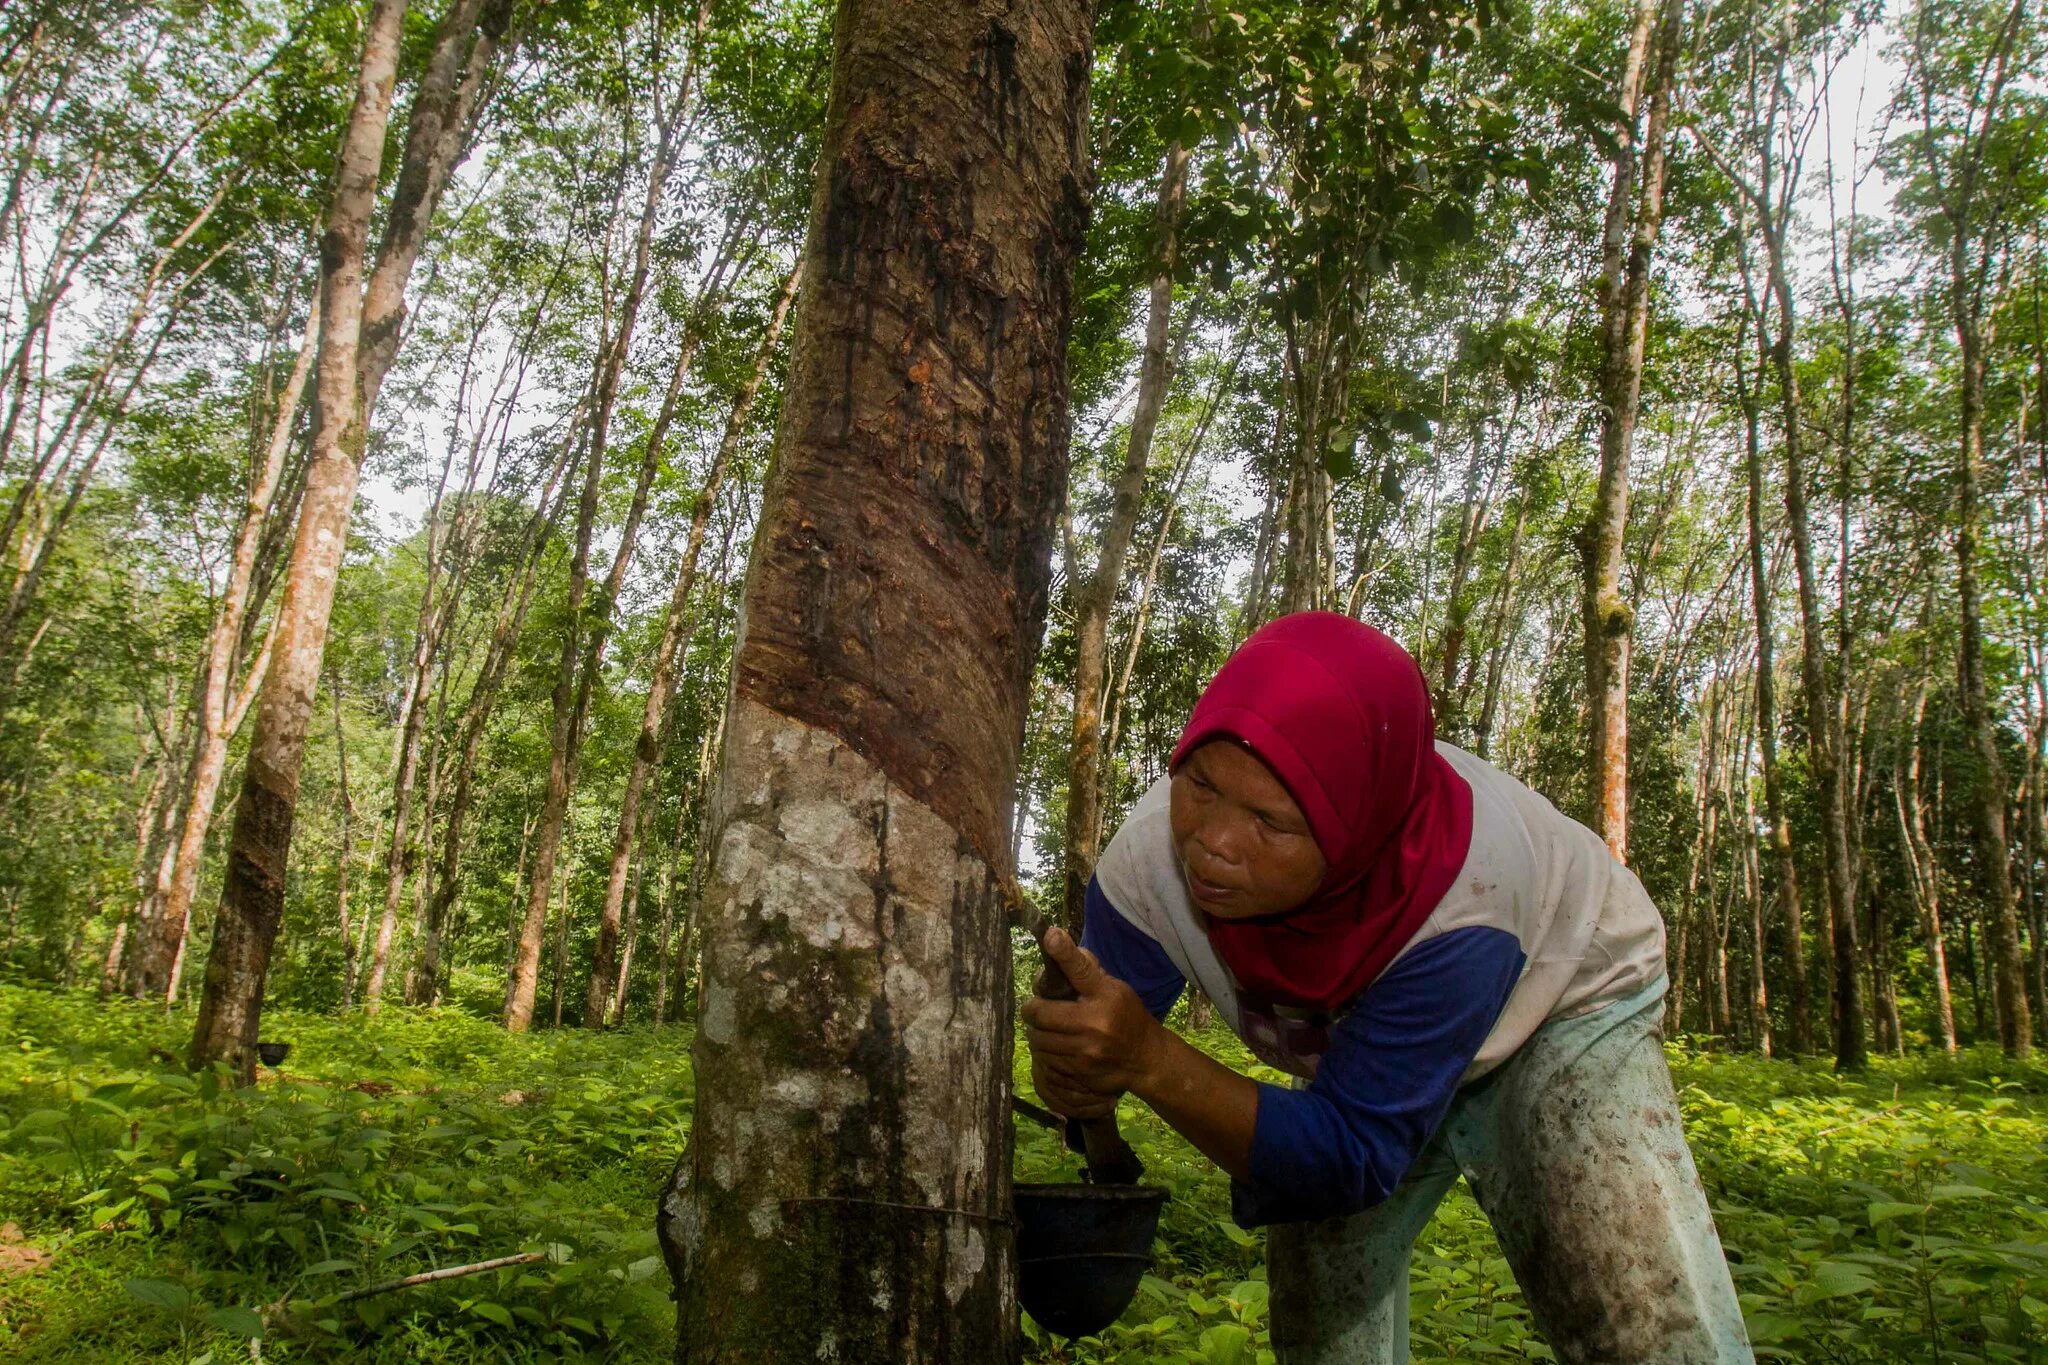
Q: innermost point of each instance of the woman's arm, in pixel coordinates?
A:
(1085, 1052)
(1339, 1146)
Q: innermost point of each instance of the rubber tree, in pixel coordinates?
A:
(1095, 592)
(362, 311)
(1976, 156)
(677, 626)
(845, 1191)
(1634, 218)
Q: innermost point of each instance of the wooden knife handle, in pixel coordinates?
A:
(1110, 1159)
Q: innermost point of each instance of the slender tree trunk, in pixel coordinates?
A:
(1924, 875)
(505, 633)
(434, 616)
(2033, 845)
(589, 627)
(348, 806)
(1994, 850)
(1260, 581)
(1095, 597)
(1625, 312)
(1759, 986)
(666, 917)
(222, 703)
(851, 1140)
(676, 628)
(359, 337)
(1506, 627)
(618, 1000)
(1785, 866)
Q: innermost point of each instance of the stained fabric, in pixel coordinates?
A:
(1619, 1266)
(1341, 715)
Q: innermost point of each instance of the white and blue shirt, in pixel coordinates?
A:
(1541, 923)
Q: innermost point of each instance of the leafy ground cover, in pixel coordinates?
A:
(1900, 1216)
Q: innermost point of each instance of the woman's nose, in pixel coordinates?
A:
(1219, 840)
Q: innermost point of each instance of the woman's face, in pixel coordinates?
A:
(1245, 847)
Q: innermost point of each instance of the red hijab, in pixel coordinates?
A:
(1341, 715)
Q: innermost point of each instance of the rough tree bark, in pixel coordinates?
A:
(676, 628)
(1637, 194)
(1095, 593)
(845, 1192)
(360, 329)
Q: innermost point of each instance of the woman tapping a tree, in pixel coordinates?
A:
(1463, 980)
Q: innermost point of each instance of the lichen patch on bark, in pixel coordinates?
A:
(854, 1089)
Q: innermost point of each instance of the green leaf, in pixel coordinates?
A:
(492, 1312)
(1942, 1194)
(1839, 1279)
(237, 1321)
(1883, 1211)
(1226, 1344)
(172, 1298)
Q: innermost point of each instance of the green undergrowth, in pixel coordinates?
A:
(1899, 1216)
(180, 1214)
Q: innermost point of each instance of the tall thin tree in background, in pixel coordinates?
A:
(1628, 240)
(1096, 590)
(360, 332)
(1978, 158)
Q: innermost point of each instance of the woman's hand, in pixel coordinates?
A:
(1087, 1051)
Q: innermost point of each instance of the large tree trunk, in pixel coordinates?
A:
(1095, 594)
(675, 630)
(359, 336)
(1625, 313)
(846, 1187)
(253, 900)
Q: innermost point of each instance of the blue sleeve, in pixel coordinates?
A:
(1128, 955)
(1384, 1085)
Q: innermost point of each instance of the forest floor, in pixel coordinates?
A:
(145, 1215)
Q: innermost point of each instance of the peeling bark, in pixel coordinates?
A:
(845, 1193)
